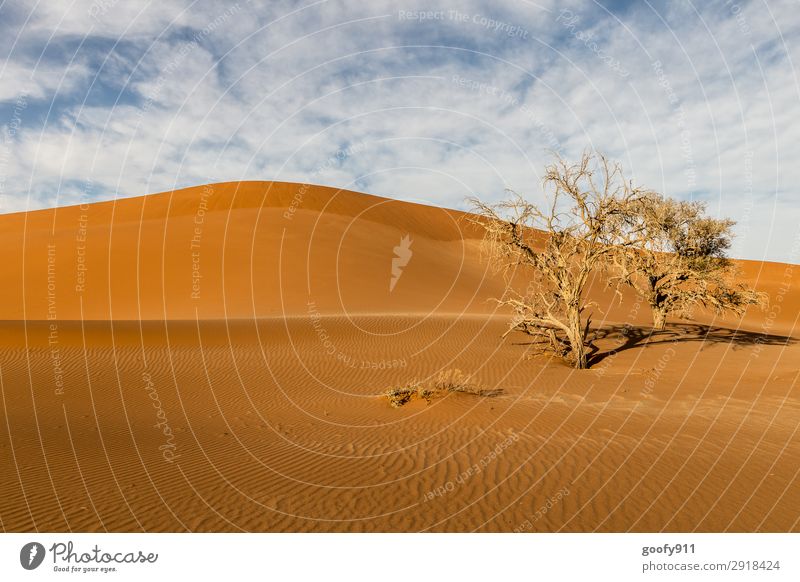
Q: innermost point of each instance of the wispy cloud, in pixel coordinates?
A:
(123, 99)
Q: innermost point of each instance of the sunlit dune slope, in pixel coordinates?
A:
(258, 249)
(237, 250)
(261, 422)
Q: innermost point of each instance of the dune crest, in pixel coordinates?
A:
(250, 250)
(236, 250)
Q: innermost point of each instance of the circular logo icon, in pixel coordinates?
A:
(31, 555)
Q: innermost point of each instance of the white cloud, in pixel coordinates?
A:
(272, 91)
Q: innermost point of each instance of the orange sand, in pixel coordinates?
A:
(209, 359)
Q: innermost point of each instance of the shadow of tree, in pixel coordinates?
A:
(633, 337)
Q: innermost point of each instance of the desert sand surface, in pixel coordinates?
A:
(213, 359)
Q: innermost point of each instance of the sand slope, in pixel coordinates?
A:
(236, 250)
(131, 404)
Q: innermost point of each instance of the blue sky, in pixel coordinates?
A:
(422, 101)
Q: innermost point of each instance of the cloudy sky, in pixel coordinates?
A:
(425, 101)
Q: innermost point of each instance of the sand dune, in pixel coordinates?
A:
(237, 250)
(210, 359)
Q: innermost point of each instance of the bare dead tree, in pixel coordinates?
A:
(682, 261)
(584, 224)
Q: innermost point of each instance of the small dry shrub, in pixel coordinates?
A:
(445, 382)
(400, 395)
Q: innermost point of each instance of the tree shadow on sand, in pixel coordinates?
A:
(631, 337)
(634, 337)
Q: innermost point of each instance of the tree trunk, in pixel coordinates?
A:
(659, 318)
(576, 340)
(579, 353)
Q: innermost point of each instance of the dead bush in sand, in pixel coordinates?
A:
(585, 221)
(447, 382)
(682, 261)
(595, 223)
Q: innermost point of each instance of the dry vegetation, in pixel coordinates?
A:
(598, 223)
(444, 383)
(682, 261)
